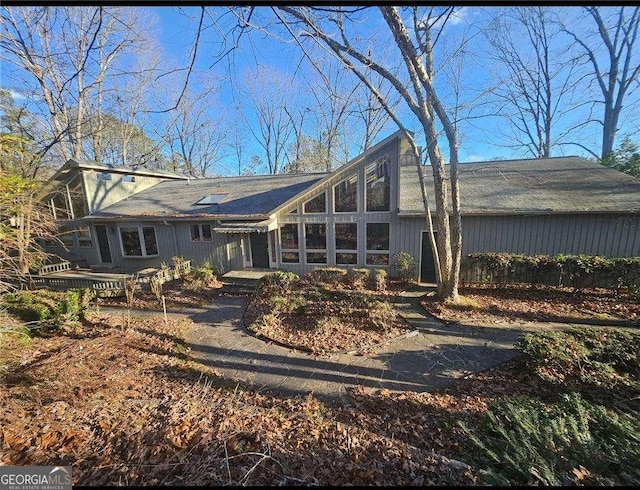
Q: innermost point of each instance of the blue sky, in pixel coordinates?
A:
(480, 138)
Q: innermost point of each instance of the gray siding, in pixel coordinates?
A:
(103, 193)
(224, 252)
(612, 235)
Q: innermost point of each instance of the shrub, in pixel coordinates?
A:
(358, 277)
(405, 266)
(52, 310)
(576, 271)
(288, 304)
(596, 356)
(524, 442)
(379, 279)
(381, 315)
(279, 278)
(331, 276)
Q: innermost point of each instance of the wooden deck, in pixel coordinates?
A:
(62, 277)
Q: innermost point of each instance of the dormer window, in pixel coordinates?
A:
(103, 176)
(128, 178)
(212, 199)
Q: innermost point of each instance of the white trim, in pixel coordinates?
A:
(143, 247)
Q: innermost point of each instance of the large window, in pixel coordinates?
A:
(346, 243)
(289, 243)
(378, 185)
(345, 195)
(138, 241)
(201, 233)
(316, 205)
(377, 244)
(315, 237)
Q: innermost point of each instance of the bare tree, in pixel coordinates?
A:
(414, 34)
(617, 29)
(537, 79)
(268, 94)
(68, 53)
(193, 137)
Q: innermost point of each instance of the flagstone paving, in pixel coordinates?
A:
(429, 357)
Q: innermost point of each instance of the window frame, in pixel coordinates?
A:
(304, 204)
(308, 250)
(141, 240)
(374, 165)
(382, 252)
(349, 251)
(284, 250)
(335, 199)
(201, 227)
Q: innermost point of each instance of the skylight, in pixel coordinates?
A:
(213, 199)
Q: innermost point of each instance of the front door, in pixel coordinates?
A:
(427, 266)
(260, 250)
(103, 244)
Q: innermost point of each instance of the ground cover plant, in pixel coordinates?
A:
(327, 310)
(124, 404)
(514, 303)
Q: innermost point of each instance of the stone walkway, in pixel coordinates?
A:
(430, 357)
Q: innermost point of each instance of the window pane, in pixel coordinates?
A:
(195, 233)
(291, 257)
(377, 259)
(346, 236)
(150, 245)
(65, 234)
(316, 205)
(377, 236)
(315, 236)
(289, 236)
(130, 242)
(206, 233)
(62, 208)
(343, 258)
(84, 236)
(378, 185)
(346, 195)
(316, 258)
(78, 201)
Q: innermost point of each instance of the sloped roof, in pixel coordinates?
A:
(73, 163)
(534, 186)
(249, 197)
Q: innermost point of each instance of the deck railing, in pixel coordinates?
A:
(104, 287)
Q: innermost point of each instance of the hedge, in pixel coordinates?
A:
(575, 271)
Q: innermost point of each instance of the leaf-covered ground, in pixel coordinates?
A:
(176, 295)
(488, 304)
(126, 406)
(324, 316)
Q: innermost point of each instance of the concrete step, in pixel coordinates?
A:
(238, 288)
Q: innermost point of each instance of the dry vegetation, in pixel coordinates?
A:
(126, 406)
(489, 304)
(325, 311)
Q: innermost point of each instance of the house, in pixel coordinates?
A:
(356, 216)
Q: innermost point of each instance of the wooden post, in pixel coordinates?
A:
(164, 309)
